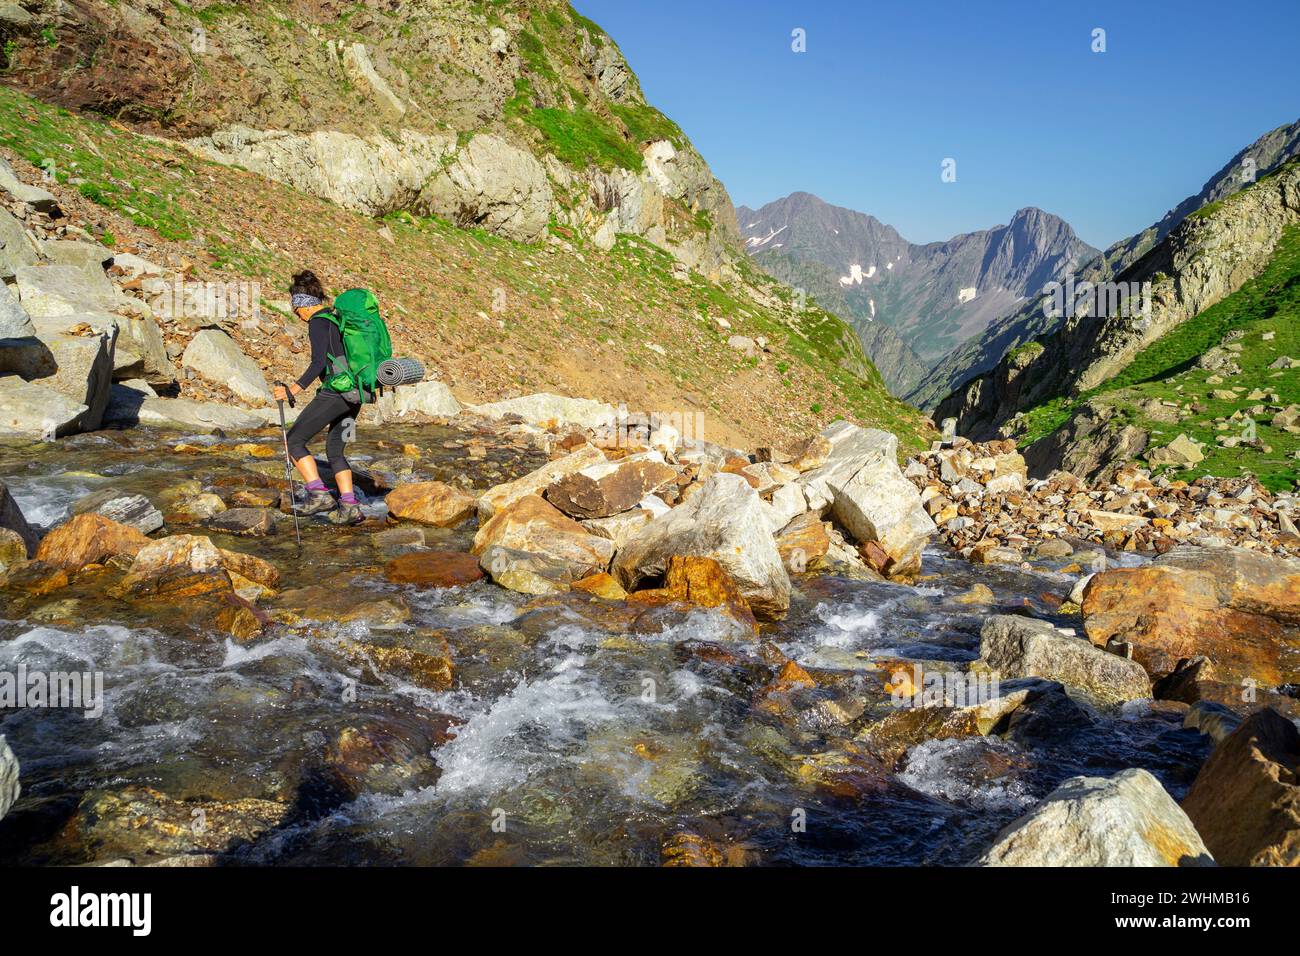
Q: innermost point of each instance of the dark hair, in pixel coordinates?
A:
(306, 283)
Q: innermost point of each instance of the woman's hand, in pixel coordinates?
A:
(279, 394)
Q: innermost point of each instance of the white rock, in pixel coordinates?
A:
(1125, 820)
(56, 290)
(216, 357)
(545, 410)
(725, 521)
(423, 400)
(9, 787)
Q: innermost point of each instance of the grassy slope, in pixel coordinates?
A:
(1162, 371)
(575, 320)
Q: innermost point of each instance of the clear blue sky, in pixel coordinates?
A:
(1011, 90)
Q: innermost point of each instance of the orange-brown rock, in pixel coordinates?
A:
(602, 585)
(36, 578)
(430, 502)
(534, 526)
(700, 582)
(803, 543)
(87, 539)
(198, 553)
(434, 569)
(1234, 607)
(1245, 802)
(810, 453)
(609, 488)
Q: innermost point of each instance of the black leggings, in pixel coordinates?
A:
(327, 409)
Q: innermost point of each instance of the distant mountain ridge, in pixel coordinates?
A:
(932, 296)
(979, 355)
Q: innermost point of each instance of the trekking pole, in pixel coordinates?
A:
(288, 468)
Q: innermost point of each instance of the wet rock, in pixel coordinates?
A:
(198, 553)
(536, 482)
(244, 522)
(9, 787)
(976, 594)
(1054, 548)
(434, 569)
(534, 526)
(723, 521)
(215, 357)
(13, 550)
(527, 572)
(1125, 820)
(699, 582)
(1229, 605)
(140, 824)
(375, 758)
(36, 578)
(1015, 646)
(397, 539)
(11, 518)
(1245, 802)
(429, 666)
(1211, 719)
(430, 502)
(339, 602)
(134, 511)
(88, 539)
(199, 507)
(992, 553)
(608, 488)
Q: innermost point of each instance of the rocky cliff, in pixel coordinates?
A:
(1030, 321)
(1056, 391)
(505, 117)
(933, 296)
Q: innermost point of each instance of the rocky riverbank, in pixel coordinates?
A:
(574, 552)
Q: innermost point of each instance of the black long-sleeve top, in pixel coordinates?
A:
(325, 341)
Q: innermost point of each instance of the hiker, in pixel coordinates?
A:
(332, 409)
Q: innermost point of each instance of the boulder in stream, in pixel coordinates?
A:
(1245, 801)
(11, 518)
(88, 539)
(9, 787)
(134, 511)
(724, 521)
(1125, 820)
(1014, 646)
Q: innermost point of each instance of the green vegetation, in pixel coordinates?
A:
(110, 175)
(1165, 371)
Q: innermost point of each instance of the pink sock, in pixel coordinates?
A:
(348, 498)
(316, 485)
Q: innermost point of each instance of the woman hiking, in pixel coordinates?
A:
(328, 409)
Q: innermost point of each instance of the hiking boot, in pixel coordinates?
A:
(317, 502)
(347, 514)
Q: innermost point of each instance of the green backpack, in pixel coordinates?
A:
(365, 340)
